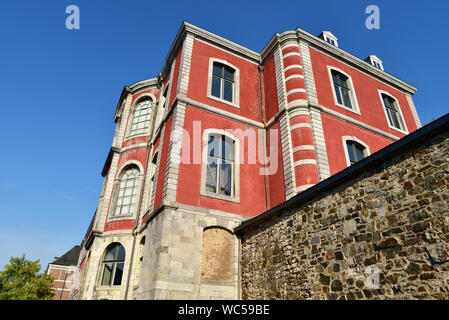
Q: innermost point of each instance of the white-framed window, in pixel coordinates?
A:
(329, 38)
(220, 174)
(161, 107)
(223, 82)
(355, 150)
(393, 112)
(125, 192)
(112, 265)
(343, 90)
(375, 61)
(141, 117)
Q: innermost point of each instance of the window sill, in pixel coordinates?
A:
(356, 111)
(220, 197)
(124, 217)
(223, 101)
(136, 136)
(398, 130)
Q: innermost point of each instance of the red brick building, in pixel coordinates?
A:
(224, 133)
(64, 271)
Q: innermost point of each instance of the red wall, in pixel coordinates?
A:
(335, 129)
(270, 90)
(252, 184)
(249, 81)
(366, 89)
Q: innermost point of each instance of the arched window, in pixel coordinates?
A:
(126, 194)
(356, 151)
(220, 165)
(392, 112)
(141, 117)
(113, 263)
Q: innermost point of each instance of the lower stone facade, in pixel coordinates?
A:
(383, 234)
(173, 266)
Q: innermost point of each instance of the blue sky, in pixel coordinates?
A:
(59, 88)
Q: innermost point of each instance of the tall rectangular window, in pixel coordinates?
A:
(392, 111)
(220, 165)
(342, 89)
(222, 82)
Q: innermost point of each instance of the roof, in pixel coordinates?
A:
(70, 258)
(380, 157)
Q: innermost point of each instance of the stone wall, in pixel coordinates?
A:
(173, 266)
(379, 234)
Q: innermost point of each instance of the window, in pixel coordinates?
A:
(329, 37)
(141, 117)
(356, 151)
(342, 89)
(126, 193)
(329, 40)
(161, 107)
(220, 165)
(113, 263)
(375, 61)
(392, 112)
(223, 82)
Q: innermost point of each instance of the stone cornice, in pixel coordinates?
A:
(321, 45)
(355, 61)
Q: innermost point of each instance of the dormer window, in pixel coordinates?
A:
(329, 38)
(375, 61)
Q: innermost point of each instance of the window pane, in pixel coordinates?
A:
(216, 87)
(346, 99)
(110, 255)
(227, 94)
(211, 175)
(118, 273)
(225, 178)
(337, 92)
(227, 148)
(350, 152)
(121, 253)
(229, 73)
(107, 273)
(213, 145)
(395, 119)
(359, 152)
(218, 70)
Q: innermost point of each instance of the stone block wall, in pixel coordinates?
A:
(383, 234)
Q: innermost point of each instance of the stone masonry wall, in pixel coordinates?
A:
(382, 235)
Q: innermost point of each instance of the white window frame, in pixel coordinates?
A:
(402, 120)
(235, 197)
(345, 139)
(352, 95)
(235, 88)
(101, 273)
(114, 195)
(142, 97)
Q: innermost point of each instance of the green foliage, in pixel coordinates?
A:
(19, 281)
